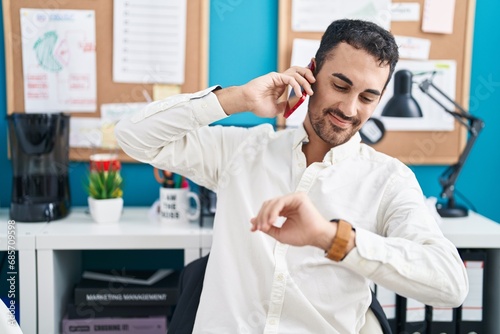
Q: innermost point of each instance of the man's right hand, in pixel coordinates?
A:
(262, 95)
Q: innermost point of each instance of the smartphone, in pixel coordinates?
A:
(295, 101)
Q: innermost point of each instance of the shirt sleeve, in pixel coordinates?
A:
(410, 256)
(173, 134)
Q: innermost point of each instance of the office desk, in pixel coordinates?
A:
(52, 251)
(60, 243)
(26, 275)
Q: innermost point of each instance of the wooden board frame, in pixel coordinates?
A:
(411, 147)
(196, 61)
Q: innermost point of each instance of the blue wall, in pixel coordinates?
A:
(243, 45)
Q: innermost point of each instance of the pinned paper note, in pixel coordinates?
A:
(161, 92)
(438, 16)
(59, 60)
(405, 11)
(85, 132)
(149, 39)
(316, 15)
(413, 48)
(111, 113)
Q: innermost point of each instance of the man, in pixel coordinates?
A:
(338, 197)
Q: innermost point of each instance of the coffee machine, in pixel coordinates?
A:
(39, 149)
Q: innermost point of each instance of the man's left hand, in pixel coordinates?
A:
(303, 226)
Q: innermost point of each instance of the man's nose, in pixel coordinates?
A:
(349, 106)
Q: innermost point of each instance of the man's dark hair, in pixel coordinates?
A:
(363, 35)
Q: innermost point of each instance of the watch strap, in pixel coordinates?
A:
(338, 249)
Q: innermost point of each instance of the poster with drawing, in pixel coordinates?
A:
(59, 60)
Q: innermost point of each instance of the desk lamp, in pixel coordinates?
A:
(473, 124)
(402, 103)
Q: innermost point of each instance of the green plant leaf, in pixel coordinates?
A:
(104, 185)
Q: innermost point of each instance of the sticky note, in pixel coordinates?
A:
(438, 16)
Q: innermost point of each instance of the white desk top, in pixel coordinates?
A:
(474, 231)
(134, 231)
(25, 232)
(138, 231)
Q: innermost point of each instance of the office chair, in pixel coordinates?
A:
(191, 284)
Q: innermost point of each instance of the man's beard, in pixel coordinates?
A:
(331, 133)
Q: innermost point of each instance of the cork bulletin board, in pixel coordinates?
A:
(108, 91)
(411, 147)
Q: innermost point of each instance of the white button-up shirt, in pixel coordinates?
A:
(254, 284)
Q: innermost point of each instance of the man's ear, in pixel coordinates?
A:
(313, 66)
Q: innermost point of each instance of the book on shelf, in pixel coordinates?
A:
(87, 311)
(142, 277)
(114, 293)
(143, 325)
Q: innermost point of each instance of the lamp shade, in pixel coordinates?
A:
(402, 103)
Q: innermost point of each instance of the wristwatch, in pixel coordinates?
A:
(338, 250)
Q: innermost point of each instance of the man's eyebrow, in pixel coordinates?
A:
(349, 82)
(343, 78)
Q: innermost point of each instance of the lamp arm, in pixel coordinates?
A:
(474, 126)
(450, 175)
(459, 115)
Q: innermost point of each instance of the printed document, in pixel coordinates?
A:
(59, 60)
(316, 15)
(149, 39)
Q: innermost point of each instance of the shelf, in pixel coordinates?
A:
(136, 230)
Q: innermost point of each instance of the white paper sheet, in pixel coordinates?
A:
(387, 300)
(434, 117)
(472, 308)
(316, 15)
(413, 48)
(85, 132)
(438, 16)
(59, 60)
(149, 41)
(442, 314)
(111, 113)
(405, 11)
(415, 311)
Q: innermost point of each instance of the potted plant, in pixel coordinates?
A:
(105, 188)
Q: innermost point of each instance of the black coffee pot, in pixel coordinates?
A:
(39, 149)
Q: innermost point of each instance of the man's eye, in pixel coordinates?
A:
(366, 99)
(339, 87)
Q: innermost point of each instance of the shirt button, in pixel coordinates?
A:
(301, 165)
(272, 322)
(280, 277)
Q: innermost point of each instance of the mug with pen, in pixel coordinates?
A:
(175, 198)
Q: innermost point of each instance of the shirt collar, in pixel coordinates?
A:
(336, 154)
